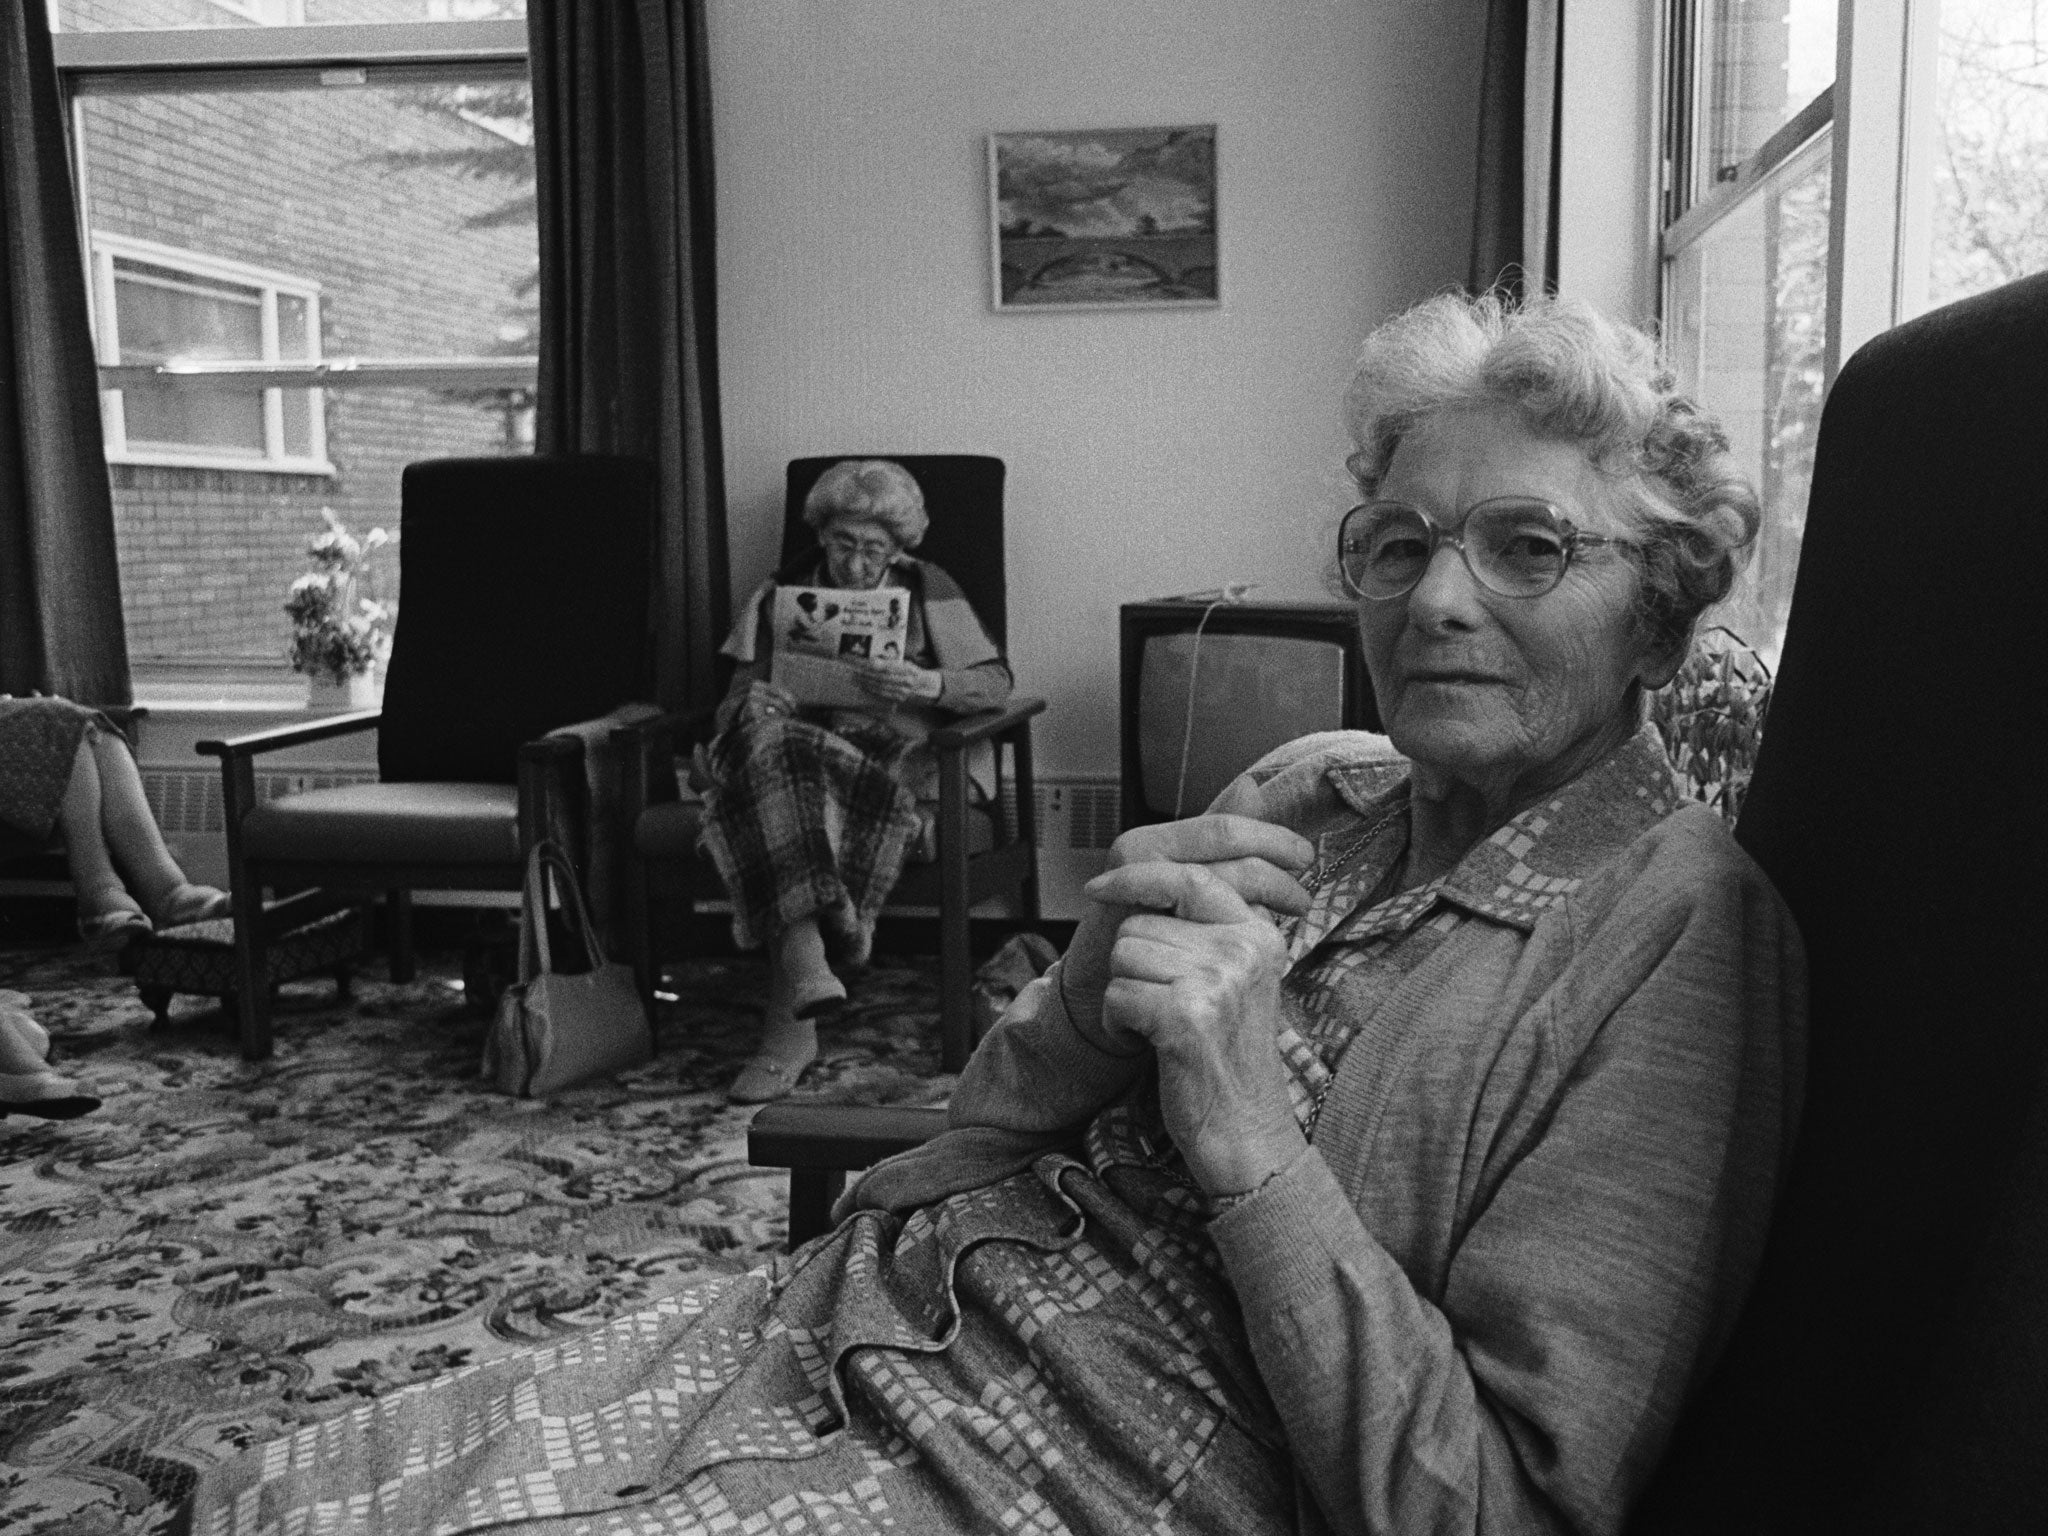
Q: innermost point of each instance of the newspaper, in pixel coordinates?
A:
(820, 631)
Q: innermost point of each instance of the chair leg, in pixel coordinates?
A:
(403, 964)
(956, 964)
(812, 1192)
(252, 976)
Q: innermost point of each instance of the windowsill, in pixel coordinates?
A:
(318, 467)
(172, 691)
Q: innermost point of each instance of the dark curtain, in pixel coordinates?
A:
(628, 317)
(1497, 209)
(1519, 95)
(60, 588)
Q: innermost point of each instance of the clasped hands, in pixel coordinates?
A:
(1178, 952)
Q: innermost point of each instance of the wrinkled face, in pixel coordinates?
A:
(1512, 696)
(857, 552)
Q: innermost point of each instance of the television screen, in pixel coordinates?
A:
(1199, 711)
(1250, 693)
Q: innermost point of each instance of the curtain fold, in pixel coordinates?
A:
(628, 313)
(60, 585)
(1516, 179)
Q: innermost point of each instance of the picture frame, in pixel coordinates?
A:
(1104, 218)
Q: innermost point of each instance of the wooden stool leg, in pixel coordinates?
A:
(158, 1001)
(403, 966)
(344, 982)
(811, 1193)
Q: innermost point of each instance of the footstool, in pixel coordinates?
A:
(200, 958)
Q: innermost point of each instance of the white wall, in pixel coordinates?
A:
(1149, 452)
(1606, 250)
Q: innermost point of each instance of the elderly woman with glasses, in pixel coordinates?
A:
(1380, 1156)
(810, 811)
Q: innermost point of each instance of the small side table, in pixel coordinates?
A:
(200, 958)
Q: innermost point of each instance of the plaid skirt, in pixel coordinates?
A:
(806, 821)
(38, 747)
(1059, 1351)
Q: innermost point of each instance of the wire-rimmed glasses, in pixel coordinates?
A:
(1514, 546)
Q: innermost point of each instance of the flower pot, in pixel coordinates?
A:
(358, 692)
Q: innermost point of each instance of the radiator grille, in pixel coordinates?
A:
(1078, 813)
(187, 800)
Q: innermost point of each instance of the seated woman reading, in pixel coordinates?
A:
(810, 811)
(1375, 1159)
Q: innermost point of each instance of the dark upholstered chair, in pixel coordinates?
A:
(1890, 1373)
(523, 607)
(974, 851)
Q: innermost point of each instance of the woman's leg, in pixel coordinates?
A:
(94, 879)
(129, 831)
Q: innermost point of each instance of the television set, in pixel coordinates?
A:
(1210, 688)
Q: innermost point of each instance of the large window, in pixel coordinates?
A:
(1829, 171)
(313, 254)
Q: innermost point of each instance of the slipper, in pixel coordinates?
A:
(26, 1082)
(765, 1078)
(184, 904)
(113, 930)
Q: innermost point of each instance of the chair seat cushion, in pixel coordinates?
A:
(376, 823)
(668, 831)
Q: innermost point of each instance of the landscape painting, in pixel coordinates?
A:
(1089, 217)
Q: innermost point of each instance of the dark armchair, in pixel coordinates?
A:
(522, 608)
(977, 849)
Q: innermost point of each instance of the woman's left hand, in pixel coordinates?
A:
(897, 681)
(1197, 973)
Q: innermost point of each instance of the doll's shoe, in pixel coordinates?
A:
(184, 904)
(27, 1085)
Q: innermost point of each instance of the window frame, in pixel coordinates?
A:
(268, 57)
(105, 249)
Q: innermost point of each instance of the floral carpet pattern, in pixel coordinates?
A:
(225, 1251)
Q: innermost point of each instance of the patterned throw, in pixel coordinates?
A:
(803, 821)
(226, 1252)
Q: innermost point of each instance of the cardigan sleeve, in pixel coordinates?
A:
(1603, 1264)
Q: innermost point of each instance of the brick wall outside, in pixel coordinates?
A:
(299, 181)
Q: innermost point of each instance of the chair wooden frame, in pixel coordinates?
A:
(953, 883)
(551, 795)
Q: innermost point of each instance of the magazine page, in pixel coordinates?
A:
(820, 631)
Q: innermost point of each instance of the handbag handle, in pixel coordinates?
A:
(533, 925)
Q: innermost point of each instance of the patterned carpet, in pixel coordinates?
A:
(224, 1251)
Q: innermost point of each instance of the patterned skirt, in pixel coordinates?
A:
(809, 822)
(1057, 1351)
(38, 746)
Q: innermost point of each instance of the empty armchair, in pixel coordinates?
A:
(523, 608)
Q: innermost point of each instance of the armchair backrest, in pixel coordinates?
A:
(1890, 1372)
(524, 586)
(963, 493)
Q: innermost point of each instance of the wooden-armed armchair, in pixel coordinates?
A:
(973, 849)
(523, 608)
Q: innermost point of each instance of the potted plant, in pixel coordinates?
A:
(338, 634)
(1711, 716)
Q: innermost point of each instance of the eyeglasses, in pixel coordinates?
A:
(1514, 546)
(845, 545)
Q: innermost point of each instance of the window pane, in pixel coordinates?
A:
(403, 217)
(1747, 332)
(167, 316)
(1990, 158)
(1764, 60)
(124, 15)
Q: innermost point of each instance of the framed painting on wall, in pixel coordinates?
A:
(1088, 218)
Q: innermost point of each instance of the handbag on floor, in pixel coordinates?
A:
(553, 1030)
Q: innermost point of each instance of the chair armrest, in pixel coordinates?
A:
(838, 1136)
(290, 735)
(671, 725)
(985, 725)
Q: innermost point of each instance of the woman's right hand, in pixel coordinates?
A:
(1260, 860)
